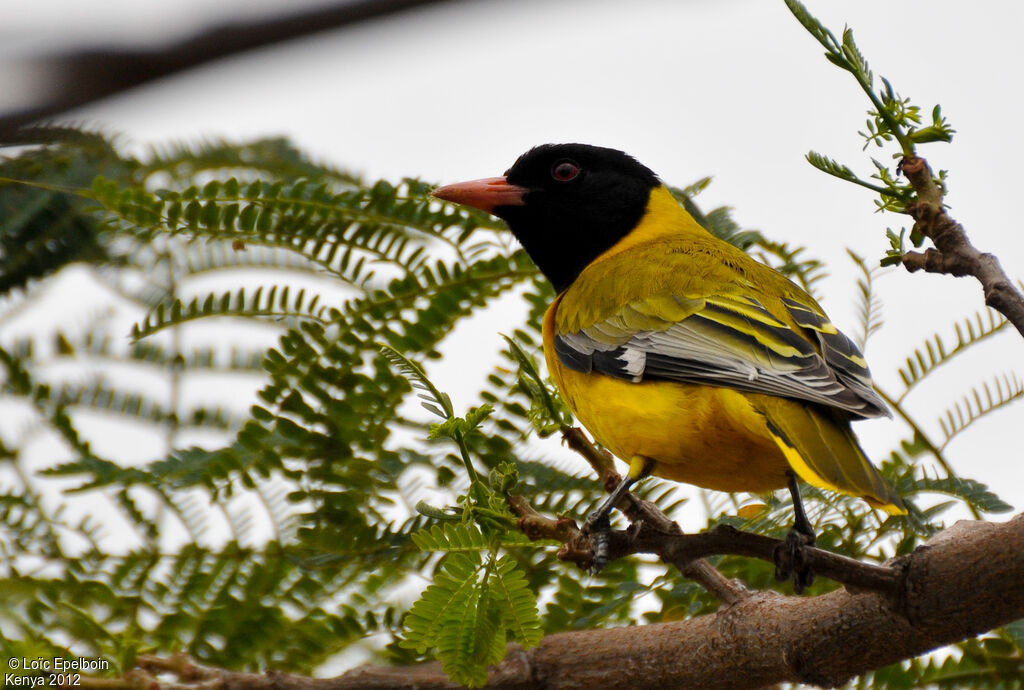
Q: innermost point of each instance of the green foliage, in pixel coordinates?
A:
(935, 352)
(869, 306)
(473, 608)
(272, 303)
(287, 493)
(980, 402)
(43, 227)
(548, 413)
(347, 269)
(479, 599)
(891, 119)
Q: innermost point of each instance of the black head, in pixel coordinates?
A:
(579, 200)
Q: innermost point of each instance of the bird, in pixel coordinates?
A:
(681, 354)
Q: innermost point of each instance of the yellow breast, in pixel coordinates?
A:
(710, 437)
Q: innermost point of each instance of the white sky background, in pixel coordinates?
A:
(733, 89)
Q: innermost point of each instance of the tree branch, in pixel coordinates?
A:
(954, 254)
(963, 582)
(650, 534)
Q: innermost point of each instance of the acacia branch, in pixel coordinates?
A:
(963, 582)
(953, 253)
(656, 534)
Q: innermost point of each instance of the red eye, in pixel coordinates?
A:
(563, 171)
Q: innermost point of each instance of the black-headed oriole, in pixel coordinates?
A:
(681, 354)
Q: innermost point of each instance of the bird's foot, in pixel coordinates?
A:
(598, 526)
(790, 560)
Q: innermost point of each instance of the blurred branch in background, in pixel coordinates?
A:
(72, 79)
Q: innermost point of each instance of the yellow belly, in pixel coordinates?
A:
(710, 437)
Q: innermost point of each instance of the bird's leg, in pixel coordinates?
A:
(598, 523)
(789, 555)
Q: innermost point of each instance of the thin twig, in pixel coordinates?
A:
(953, 253)
(601, 460)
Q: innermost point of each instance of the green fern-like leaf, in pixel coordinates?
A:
(971, 492)
(463, 641)
(517, 601)
(869, 306)
(831, 167)
(548, 412)
(215, 257)
(979, 403)
(935, 352)
(455, 587)
(276, 156)
(470, 610)
(275, 302)
(451, 538)
(433, 399)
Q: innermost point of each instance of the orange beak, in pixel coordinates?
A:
(485, 194)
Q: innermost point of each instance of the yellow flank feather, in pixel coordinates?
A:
(672, 283)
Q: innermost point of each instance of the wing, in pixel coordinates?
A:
(730, 340)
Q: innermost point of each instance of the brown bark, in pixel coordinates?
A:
(964, 582)
(953, 253)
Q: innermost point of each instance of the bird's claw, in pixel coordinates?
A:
(790, 559)
(598, 526)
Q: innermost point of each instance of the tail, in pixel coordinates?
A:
(822, 449)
